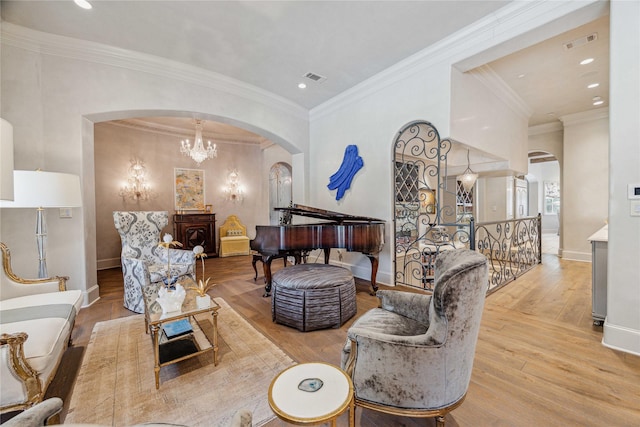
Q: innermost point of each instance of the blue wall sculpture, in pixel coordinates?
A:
(351, 164)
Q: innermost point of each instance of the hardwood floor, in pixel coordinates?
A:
(539, 359)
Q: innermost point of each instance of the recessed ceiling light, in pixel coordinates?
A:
(592, 85)
(83, 4)
(597, 98)
(302, 85)
(521, 75)
(586, 61)
(551, 113)
(598, 102)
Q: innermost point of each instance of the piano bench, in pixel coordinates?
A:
(313, 296)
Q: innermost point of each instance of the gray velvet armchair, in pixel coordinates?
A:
(414, 354)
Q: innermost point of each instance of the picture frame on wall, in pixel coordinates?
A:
(189, 189)
(208, 208)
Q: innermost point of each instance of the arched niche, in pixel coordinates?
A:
(280, 190)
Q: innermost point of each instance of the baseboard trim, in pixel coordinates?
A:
(576, 256)
(90, 296)
(621, 338)
(105, 264)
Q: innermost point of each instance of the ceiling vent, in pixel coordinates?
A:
(581, 41)
(315, 77)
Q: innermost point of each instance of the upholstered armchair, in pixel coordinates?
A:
(36, 321)
(414, 354)
(233, 238)
(144, 262)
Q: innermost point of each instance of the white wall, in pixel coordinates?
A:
(492, 192)
(485, 117)
(51, 99)
(584, 181)
(622, 324)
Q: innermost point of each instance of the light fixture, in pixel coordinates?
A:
(198, 153)
(600, 102)
(234, 190)
(83, 4)
(586, 61)
(468, 177)
(593, 85)
(136, 187)
(39, 189)
(302, 85)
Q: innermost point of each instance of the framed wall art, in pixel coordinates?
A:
(189, 189)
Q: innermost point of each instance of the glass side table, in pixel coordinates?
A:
(167, 349)
(312, 393)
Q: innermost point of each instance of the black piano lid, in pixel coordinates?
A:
(326, 215)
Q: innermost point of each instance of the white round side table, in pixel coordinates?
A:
(312, 393)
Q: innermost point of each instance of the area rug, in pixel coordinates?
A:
(116, 383)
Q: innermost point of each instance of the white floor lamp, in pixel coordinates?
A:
(40, 190)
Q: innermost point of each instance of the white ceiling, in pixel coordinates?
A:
(272, 44)
(554, 81)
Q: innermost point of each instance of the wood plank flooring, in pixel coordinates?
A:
(539, 359)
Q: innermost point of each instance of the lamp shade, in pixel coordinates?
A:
(39, 189)
(468, 180)
(6, 160)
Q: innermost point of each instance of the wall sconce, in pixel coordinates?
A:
(233, 190)
(136, 187)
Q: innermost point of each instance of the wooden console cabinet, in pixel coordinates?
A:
(196, 229)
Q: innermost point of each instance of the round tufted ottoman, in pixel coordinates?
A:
(313, 296)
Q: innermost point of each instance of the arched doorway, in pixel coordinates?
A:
(280, 190)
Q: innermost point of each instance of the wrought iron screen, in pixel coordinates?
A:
(421, 228)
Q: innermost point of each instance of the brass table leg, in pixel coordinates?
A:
(215, 338)
(155, 333)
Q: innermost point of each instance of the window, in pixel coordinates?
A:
(551, 197)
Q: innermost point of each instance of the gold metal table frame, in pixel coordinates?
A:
(154, 320)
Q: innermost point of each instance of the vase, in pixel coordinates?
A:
(203, 301)
(171, 300)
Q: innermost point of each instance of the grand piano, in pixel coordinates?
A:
(353, 233)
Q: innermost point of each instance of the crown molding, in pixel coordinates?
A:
(87, 51)
(585, 116)
(554, 126)
(514, 19)
(157, 128)
(487, 76)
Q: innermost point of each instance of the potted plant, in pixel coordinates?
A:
(203, 300)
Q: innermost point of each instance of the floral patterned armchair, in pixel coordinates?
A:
(144, 262)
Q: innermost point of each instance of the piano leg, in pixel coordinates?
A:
(327, 255)
(254, 260)
(266, 262)
(374, 272)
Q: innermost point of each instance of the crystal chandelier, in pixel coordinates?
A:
(198, 153)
